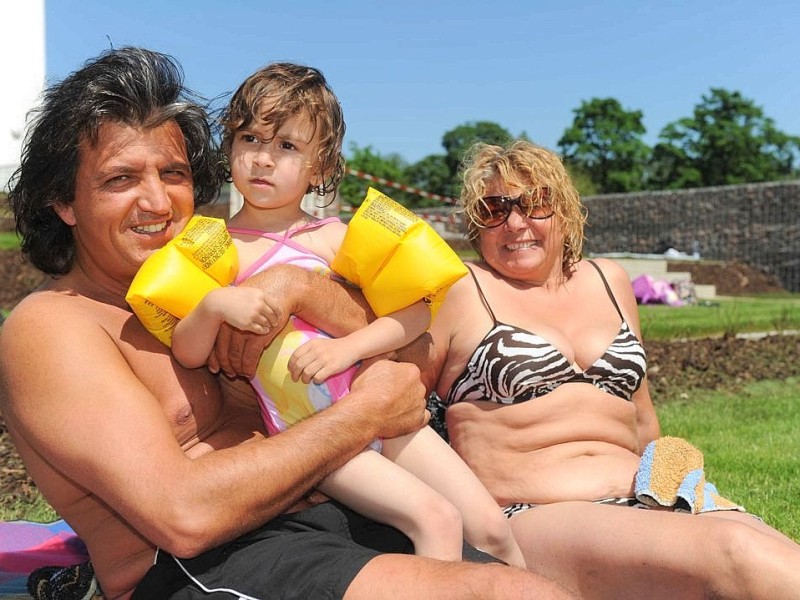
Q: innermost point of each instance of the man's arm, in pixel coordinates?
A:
(93, 418)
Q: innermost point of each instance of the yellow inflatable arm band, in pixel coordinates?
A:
(395, 257)
(173, 280)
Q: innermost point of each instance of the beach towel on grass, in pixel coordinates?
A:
(26, 546)
(671, 473)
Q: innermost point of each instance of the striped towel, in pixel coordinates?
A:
(671, 474)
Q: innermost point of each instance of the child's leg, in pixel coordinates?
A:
(428, 456)
(381, 490)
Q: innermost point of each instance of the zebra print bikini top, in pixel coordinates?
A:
(512, 365)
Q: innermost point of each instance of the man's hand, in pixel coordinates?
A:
(393, 393)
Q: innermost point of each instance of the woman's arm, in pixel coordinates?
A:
(646, 418)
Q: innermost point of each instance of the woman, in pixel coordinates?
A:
(538, 358)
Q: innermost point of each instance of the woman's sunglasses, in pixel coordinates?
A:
(493, 211)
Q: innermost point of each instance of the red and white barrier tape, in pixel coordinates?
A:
(399, 186)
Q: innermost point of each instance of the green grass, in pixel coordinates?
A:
(39, 511)
(750, 444)
(8, 240)
(720, 316)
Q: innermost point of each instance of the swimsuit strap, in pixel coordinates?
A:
(608, 288)
(483, 298)
(286, 234)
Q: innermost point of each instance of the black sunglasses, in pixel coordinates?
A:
(493, 211)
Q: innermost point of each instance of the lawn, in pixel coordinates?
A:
(750, 444)
(722, 315)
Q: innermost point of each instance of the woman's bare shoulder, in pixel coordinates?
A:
(610, 268)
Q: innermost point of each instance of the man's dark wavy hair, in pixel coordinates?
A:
(131, 86)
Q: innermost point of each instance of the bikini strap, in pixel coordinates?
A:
(608, 288)
(483, 297)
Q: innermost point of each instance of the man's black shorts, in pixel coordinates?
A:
(314, 553)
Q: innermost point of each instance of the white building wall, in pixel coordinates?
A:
(22, 71)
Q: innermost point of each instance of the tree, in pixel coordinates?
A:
(581, 180)
(391, 167)
(457, 141)
(431, 175)
(605, 142)
(728, 140)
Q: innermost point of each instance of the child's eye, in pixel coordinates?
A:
(249, 138)
(286, 145)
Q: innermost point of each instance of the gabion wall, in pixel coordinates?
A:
(757, 224)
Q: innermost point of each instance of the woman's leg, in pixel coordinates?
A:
(619, 552)
(427, 456)
(385, 492)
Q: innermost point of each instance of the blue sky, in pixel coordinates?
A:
(408, 71)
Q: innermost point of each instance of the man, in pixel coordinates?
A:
(137, 453)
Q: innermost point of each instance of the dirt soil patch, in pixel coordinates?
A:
(675, 368)
(730, 278)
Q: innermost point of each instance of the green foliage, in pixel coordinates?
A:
(8, 240)
(391, 167)
(457, 141)
(432, 175)
(582, 180)
(436, 173)
(722, 316)
(727, 140)
(750, 444)
(605, 142)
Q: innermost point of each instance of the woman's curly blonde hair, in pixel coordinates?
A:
(523, 165)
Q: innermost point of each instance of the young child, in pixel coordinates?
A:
(283, 132)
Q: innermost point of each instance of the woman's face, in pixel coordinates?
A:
(522, 248)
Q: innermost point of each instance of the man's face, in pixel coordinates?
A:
(133, 193)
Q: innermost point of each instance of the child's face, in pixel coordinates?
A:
(274, 169)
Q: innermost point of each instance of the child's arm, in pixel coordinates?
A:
(243, 307)
(320, 358)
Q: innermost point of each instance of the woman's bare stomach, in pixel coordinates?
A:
(569, 447)
(571, 471)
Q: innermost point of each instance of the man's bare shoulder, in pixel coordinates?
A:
(48, 311)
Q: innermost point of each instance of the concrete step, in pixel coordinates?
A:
(656, 267)
(705, 291)
(636, 266)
